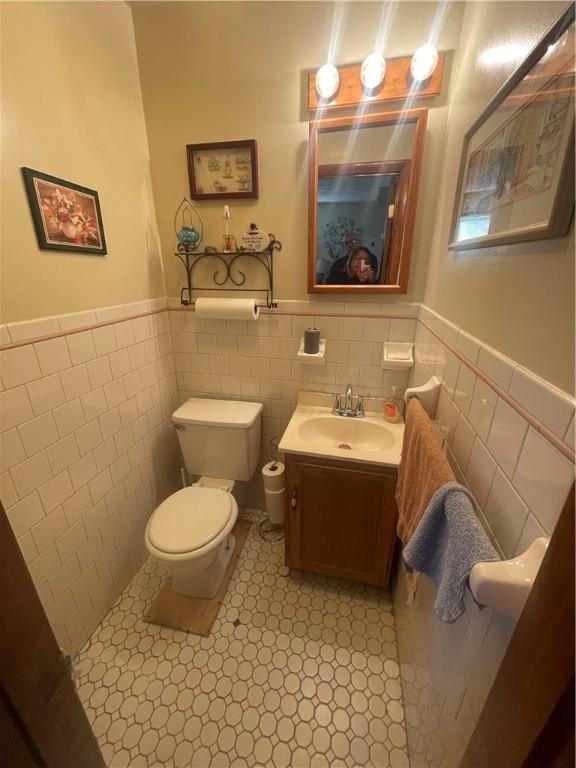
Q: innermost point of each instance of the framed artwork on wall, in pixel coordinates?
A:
(66, 216)
(516, 179)
(224, 169)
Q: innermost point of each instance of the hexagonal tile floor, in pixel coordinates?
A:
(300, 670)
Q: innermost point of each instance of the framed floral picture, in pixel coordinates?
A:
(225, 169)
(66, 216)
(516, 178)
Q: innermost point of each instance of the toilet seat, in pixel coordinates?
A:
(190, 519)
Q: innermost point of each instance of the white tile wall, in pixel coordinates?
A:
(520, 482)
(484, 431)
(87, 453)
(257, 360)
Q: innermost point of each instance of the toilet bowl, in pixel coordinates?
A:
(190, 531)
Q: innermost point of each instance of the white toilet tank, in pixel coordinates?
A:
(219, 438)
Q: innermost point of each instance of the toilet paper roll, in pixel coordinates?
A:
(273, 479)
(275, 501)
(227, 309)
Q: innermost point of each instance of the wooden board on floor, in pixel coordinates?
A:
(195, 614)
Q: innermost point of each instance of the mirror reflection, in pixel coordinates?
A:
(356, 204)
(361, 177)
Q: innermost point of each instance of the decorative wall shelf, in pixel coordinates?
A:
(397, 85)
(228, 275)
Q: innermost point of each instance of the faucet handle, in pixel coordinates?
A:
(360, 406)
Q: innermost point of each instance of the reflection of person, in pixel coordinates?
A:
(358, 268)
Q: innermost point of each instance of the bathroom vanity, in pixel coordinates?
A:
(340, 482)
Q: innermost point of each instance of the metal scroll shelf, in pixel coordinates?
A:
(228, 276)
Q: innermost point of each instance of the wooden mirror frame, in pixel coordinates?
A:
(405, 215)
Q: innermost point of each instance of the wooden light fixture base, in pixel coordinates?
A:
(397, 85)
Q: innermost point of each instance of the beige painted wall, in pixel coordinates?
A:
(519, 299)
(71, 107)
(237, 71)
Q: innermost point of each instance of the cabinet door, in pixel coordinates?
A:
(342, 522)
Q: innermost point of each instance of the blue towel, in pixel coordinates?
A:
(447, 543)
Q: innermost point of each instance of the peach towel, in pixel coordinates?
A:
(423, 470)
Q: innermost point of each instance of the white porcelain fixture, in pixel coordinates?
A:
(397, 356)
(366, 436)
(190, 531)
(327, 81)
(314, 430)
(427, 394)
(506, 584)
(316, 358)
(373, 70)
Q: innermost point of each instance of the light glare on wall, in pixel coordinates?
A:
(327, 81)
(424, 62)
(507, 53)
(373, 71)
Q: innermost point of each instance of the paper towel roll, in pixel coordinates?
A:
(227, 309)
(273, 479)
(275, 501)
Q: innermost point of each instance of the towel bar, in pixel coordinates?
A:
(505, 584)
(427, 394)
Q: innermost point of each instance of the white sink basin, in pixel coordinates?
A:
(314, 430)
(348, 434)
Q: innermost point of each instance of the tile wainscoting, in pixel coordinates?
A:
(87, 452)
(498, 420)
(257, 360)
(87, 449)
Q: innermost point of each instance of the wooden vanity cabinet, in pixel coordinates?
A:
(340, 518)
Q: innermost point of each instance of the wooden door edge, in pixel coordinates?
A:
(538, 663)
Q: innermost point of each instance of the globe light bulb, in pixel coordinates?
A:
(424, 62)
(327, 81)
(373, 71)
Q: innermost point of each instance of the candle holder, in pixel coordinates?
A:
(188, 225)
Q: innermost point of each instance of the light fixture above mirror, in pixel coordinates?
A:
(377, 80)
(373, 70)
(327, 81)
(424, 62)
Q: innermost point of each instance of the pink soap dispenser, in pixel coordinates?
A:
(391, 410)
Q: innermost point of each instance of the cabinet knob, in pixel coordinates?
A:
(294, 499)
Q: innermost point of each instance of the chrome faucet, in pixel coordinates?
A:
(348, 408)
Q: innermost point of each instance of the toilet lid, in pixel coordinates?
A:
(189, 519)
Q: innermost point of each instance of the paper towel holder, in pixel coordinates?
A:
(228, 276)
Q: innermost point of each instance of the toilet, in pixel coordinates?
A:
(190, 532)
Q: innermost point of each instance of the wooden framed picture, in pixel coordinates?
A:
(225, 169)
(516, 180)
(66, 216)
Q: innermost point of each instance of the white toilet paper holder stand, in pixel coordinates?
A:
(228, 276)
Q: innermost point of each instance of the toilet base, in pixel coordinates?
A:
(190, 580)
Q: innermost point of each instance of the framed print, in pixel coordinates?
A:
(226, 169)
(66, 216)
(516, 180)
